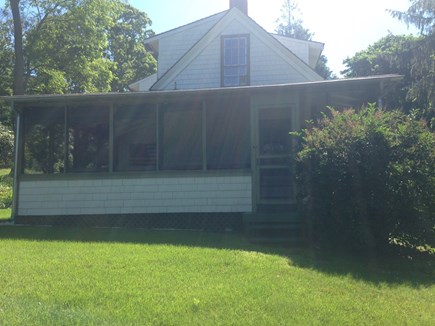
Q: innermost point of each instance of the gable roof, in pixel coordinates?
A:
(314, 48)
(153, 42)
(235, 14)
(143, 84)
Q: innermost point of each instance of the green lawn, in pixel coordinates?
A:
(55, 276)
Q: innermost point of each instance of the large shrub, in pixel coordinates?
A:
(6, 146)
(368, 176)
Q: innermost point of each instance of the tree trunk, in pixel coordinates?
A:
(18, 46)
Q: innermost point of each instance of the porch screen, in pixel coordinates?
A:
(88, 139)
(181, 137)
(44, 140)
(135, 145)
(228, 134)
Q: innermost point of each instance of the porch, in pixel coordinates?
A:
(223, 152)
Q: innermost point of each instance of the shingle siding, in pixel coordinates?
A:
(175, 45)
(266, 66)
(128, 196)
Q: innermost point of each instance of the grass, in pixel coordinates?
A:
(5, 187)
(125, 277)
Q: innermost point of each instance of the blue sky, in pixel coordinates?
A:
(345, 26)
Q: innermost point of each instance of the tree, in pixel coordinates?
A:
(18, 47)
(421, 14)
(126, 48)
(69, 45)
(292, 26)
(390, 55)
(413, 57)
(289, 24)
(6, 146)
(322, 68)
(6, 69)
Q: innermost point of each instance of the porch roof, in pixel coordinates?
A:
(344, 86)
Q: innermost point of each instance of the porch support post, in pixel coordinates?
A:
(254, 148)
(111, 137)
(204, 136)
(381, 94)
(66, 141)
(17, 161)
(158, 147)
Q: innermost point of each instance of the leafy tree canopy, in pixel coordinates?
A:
(77, 46)
(413, 57)
(421, 14)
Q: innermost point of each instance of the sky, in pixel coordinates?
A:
(345, 26)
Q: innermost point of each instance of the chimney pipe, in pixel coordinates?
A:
(242, 5)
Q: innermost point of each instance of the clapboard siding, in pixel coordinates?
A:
(133, 196)
(266, 66)
(173, 46)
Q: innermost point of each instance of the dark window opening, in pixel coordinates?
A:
(135, 142)
(181, 137)
(44, 141)
(228, 134)
(88, 139)
(274, 128)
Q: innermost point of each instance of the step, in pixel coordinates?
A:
(272, 218)
(264, 226)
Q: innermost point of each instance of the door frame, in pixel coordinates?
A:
(293, 108)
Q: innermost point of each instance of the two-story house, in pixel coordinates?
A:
(203, 143)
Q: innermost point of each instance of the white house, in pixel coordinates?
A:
(204, 143)
(228, 49)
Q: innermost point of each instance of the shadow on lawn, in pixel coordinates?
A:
(390, 270)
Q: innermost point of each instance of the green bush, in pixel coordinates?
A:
(6, 146)
(5, 197)
(368, 177)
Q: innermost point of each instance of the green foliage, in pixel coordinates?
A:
(409, 56)
(5, 213)
(369, 176)
(390, 55)
(6, 146)
(421, 13)
(5, 191)
(79, 46)
(5, 197)
(322, 68)
(6, 57)
(127, 49)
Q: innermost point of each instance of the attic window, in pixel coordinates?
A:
(235, 60)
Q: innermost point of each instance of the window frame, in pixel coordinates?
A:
(248, 60)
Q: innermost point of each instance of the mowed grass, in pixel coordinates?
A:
(55, 276)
